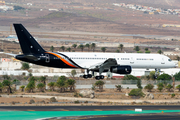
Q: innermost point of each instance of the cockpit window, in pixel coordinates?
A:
(169, 60)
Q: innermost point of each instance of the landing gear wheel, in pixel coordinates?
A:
(101, 77)
(85, 76)
(97, 77)
(89, 76)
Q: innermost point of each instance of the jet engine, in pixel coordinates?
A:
(121, 69)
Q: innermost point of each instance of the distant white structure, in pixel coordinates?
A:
(30, 4)
(6, 8)
(53, 10)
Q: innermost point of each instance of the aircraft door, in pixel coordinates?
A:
(47, 58)
(162, 62)
(132, 60)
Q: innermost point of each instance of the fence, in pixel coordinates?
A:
(109, 82)
(81, 84)
(126, 82)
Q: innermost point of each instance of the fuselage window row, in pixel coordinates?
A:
(144, 59)
(124, 58)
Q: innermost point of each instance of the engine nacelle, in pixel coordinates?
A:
(122, 69)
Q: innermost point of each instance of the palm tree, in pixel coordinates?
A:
(22, 88)
(88, 46)
(121, 46)
(52, 48)
(160, 52)
(43, 79)
(81, 47)
(103, 49)
(41, 87)
(71, 84)
(8, 84)
(68, 49)
(51, 85)
(74, 46)
(60, 84)
(93, 46)
(1, 87)
(62, 48)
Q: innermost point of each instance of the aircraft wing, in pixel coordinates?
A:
(104, 65)
(10, 54)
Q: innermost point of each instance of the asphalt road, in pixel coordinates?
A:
(88, 108)
(127, 117)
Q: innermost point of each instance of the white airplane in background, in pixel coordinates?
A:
(120, 63)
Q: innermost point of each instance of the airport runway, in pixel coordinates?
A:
(89, 108)
(171, 112)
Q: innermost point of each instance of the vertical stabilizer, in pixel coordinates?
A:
(28, 44)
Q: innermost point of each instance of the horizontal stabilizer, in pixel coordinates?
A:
(14, 55)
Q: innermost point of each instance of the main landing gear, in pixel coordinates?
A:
(86, 76)
(99, 77)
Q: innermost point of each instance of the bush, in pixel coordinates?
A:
(160, 88)
(177, 76)
(51, 85)
(100, 84)
(172, 95)
(76, 94)
(73, 73)
(147, 51)
(130, 77)
(136, 92)
(41, 87)
(139, 84)
(25, 66)
(178, 87)
(53, 99)
(119, 87)
(93, 87)
(160, 85)
(149, 87)
(169, 87)
(76, 102)
(31, 101)
(81, 95)
(164, 77)
(18, 7)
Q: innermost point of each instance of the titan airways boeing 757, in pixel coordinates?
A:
(120, 63)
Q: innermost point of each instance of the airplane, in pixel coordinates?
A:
(120, 63)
